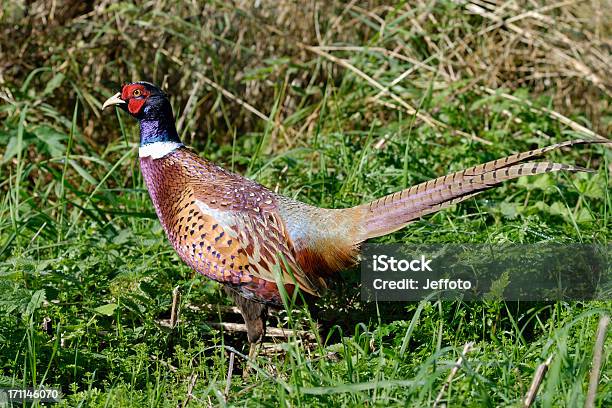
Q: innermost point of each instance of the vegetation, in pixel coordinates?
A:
(332, 103)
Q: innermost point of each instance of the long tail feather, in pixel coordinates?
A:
(394, 211)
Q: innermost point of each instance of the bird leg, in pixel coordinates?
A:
(255, 316)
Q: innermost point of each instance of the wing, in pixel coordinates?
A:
(248, 230)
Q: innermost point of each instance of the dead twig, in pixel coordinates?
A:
(530, 38)
(344, 63)
(241, 102)
(535, 383)
(602, 330)
(191, 103)
(270, 331)
(176, 299)
(228, 379)
(386, 91)
(193, 378)
(466, 349)
(209, 308)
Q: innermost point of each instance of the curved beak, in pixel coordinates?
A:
(113, 100)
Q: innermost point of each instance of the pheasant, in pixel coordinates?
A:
(237, 232)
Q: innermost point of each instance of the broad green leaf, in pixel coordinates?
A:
(106, 310)
(558, 208)
(52, 139)
(12, 149)
(37, 299)
(54, 83)
(584, 215)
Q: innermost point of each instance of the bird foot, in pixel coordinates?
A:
(253, 351)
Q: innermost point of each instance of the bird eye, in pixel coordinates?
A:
(137, 92)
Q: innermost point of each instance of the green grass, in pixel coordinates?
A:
(81, 248)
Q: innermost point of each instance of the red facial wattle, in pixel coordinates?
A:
(135, 104)
(135, 95)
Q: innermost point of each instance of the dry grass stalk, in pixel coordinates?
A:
(176, 300)
(466, 349)
(535, 383)
(598, 348)
(193, 378)
(228, 378)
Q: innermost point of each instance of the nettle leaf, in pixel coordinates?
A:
(510, 210)
(12, 149)
(584, 215)
(498, 286)
(593, 187)
(106, 310)
(51, 139)
(542, 206)
(12, 297)
(54, 83)
(35, 302)
(558, 208)
(23, 265)
(124, 236)
(541, 182)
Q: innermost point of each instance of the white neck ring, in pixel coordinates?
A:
(158, 150)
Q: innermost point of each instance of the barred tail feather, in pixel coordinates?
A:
(393, 212)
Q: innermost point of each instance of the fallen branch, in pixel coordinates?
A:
(270, 331)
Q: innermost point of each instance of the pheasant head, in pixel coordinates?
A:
(150, 105)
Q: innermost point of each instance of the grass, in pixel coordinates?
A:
(392, 96)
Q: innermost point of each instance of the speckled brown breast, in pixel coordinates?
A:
(223, 225)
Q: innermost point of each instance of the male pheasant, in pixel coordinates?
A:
(236, 232)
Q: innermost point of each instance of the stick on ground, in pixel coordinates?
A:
(270, 331)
